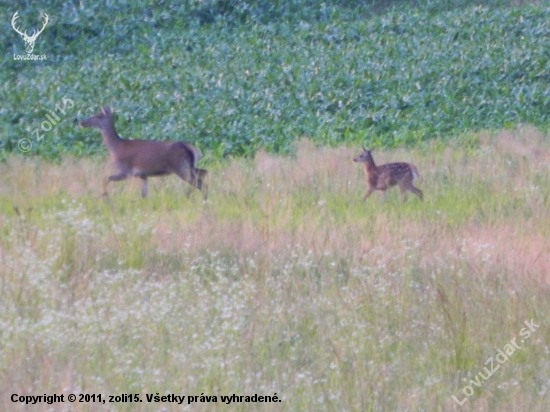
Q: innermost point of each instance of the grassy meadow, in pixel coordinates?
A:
(284, 282)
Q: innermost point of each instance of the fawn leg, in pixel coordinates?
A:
(369, 192)
(417, 192)
(403, 191)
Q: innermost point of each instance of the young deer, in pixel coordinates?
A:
(144, 158)
(385, 176)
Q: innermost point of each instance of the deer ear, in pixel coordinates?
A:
(106, 110)
(364, 150)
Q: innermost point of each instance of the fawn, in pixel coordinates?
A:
(390, 174)
(145, 158)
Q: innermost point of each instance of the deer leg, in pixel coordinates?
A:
(105, 183)
(196, 179)
(369, 192)
(417, 192)
(403, 191)
(119, 177)
(199, 175)
(413, 189)
(144, 187)
(193, 177)
(187, 175)
(113, 178)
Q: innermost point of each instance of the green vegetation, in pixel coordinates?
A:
(238, 76)
(284, 282)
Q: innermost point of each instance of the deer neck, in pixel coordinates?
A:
(110, 137)
(369, 172)
(370, 167)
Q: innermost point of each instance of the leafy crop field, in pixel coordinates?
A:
(251, 76)
(284, 283)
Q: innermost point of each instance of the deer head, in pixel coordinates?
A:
(365, 157)
(29, 40)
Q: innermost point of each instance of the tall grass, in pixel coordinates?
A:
(283, 282)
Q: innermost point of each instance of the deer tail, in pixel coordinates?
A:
(195, 153)
(415, 173)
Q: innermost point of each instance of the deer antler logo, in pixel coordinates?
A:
(29, 40)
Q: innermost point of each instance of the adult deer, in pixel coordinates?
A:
(145, 158)
(390, 174)
(29, 40)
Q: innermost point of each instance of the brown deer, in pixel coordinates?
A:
(390, 174)
(145, 158)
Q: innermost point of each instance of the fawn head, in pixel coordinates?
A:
(365, 157)
(100, 120)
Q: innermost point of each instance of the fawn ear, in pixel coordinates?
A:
(106, 110)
